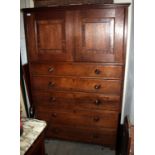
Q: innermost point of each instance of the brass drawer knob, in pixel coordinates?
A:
(51, 84)
(51, 69)
(97, 102)
(96, 118)
(97, 71)
(98, 86)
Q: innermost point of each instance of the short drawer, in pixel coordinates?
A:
(76, 84)
(85, 118)
(78, 100)
(77, 69)
(92, 135)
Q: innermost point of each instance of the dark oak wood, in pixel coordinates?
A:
(76, 61)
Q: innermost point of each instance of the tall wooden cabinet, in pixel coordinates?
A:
(76, 59)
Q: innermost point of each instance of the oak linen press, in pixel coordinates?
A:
(76, 60)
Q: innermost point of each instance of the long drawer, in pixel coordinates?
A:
(76, 118)
(76, 100)
(76, 84)
(91, 135)
(77, 69)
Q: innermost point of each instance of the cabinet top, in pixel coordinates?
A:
(75, 7)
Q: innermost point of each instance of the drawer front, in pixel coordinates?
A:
(77, 84)
(76, 118)
(78, 100)
(76, 69)
(91, 135)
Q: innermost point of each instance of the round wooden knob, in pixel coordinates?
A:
(54, 114)
(96, 118)
(97, 71)
(52, 99)
(97, 102)
(51, 69)
(98, 86)
(51, 84)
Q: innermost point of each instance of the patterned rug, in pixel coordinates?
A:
(59, 147)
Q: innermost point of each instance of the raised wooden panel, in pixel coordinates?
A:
(51, 36)
(97, 33)
(98, 36)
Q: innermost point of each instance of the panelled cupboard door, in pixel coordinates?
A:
(99, 35)
(49, 35)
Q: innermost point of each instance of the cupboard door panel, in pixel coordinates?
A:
(96, 36)
(54, 29)
(97, 32)
(51, 35)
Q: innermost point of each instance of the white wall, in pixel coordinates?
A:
(23, 4)
(128, 94)
(22, 35)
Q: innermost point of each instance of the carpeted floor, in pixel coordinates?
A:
(57, 147)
